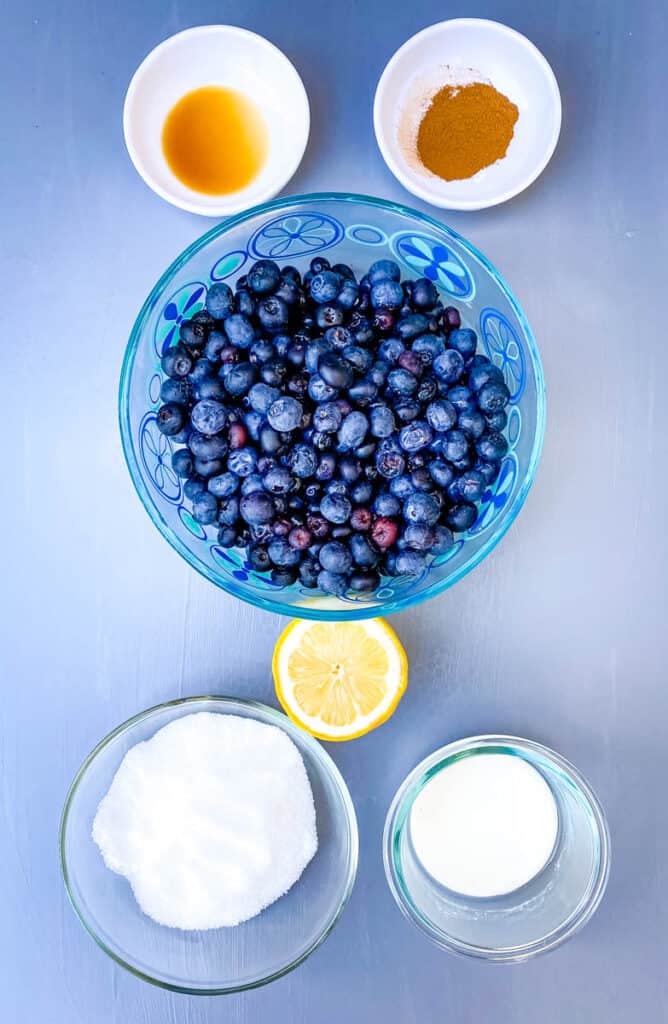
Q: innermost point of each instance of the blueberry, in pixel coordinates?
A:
(335, 557)
(172, 390)
(308, 573)
(497, 420)
(319, 390)
(335, 371)
(170, 418)
(326, 467)
(362, 492)
(296, 353)
(455, 445)
(337, 338)
(204, 447)
(317, 524)
(408, 410)
(386, 505)
(289, 273)
(215, 344)
(315, 349)
(383, 270)
(202, 369)
(348, 294)
(382, 421)
(471, 422)
(274, 372)
(224, 485)
(350, 469)
(410, 563)
(471, 485)
(258, 558)
(411, 326)
(208, 416)
(284, 577)
(441, 473)
(488, 470)
(270, 440)
(336, 508)
(220, 300)
(239, 330)
(282, 554)
(242, 461)
(423, 294)
(389, 460)
(443, 540)
(257, 508)
(208, 467)
(227, 537)
(210, 387)
(193, 333)
(384, 532)
(327, 417)
(493, 397)
(244, 302)
(387, 295)
(330, 314)
(422, 508)
(464, 341)
(182, 463)
(415, 436)
(441, 415)
(278, 480)
(177, 362)
(332, 583)
(428, 347)
(205, 508)
(402, 382)
(449, 366)
(482, 373)
(325, 286)
(383, 320)
(240, 378)
(402, 487)
(193, 487)
(300, 538)
(359, 358)
(285, 414)
(272, 312)
(461, 516)
(353, 430)
(412, 362)
(362, 551)
(362, 332)
(462, 398)
(261, 396)
(451, 318)
(264, 277)
(303, 461)
(365, 452)
(281, 344)
(492, 446)
(418, 537)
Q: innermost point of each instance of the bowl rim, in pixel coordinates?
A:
(358, 611)
(439, 198)
(397, 816)
(229, 203)
(270, 716)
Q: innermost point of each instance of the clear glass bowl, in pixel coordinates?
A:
(224, 959)
(540, 915)
(355, 230)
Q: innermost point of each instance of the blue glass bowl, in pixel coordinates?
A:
(356, 230)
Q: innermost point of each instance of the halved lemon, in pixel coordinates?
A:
(339, 680)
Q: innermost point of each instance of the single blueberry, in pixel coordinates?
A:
(208, 416)
(423, 294)
(428, 347)
(422, 508)
(335, 371)
(337, 338)
(205, 508)
(359, 358)
(272, 312)
(493, 397)
(418, 537)
(308, 573)
(492, 446)
(239, 330)
(224, 485)
(461, 516)
(261, 396)
(314, 350)
(182, 463)
(173, 390)
(252, 483)
(330, 314)
(335, 557)
(296, 353)
(382, 421)
(362, 492)
(482, 373)
(451, 318)
(289, 273)
(274, 372)
(464, 341)
(402, 487)
(449, 366)
(353, 430)
(497, 420)
(205, 447)
(285, 414)
(281, 344)
(383, 270)
(471, 422)
(193, 487)
(443, 540)
(278, 480)
(193, 333)
(362, 551)
(244, 302)
(288, 291)
(348, 294)
(332, 583)
(215, 344)
(284, 577)
(364, 582)
(240, 378)
(300, 538)
(257, 508)
(402, 382)
(258, 558)
(415, 436)
(336, 508)
(227, 537)
(455, 445)
(327, 417)
(389, 460)
(410, 563)
(471, 485)
(264, 277)
(462, 398)
(387, 294)
(319, 390)
(208, 467)
(408, 410)
(326, 467)
(325, 286)
(270, 440)
(242, 461)
(282, 554)
(488, 470)
(210, 387)
(441, 415)
(441, 473)
(177, 362)
(386, 505)
(411, 326)
(427, 390)
(303, 461)
(220, 300)
(170, 418)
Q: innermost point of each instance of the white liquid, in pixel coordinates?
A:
(485, 825)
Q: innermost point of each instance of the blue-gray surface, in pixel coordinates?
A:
(560, 635)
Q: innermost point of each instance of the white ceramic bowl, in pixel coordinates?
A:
(216, 55)
(465, 50)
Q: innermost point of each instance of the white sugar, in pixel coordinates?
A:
(210, 820)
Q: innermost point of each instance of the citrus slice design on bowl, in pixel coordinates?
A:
(339, 680)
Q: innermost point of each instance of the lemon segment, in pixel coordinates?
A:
(339, 680)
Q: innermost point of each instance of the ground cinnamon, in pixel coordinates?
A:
(466, 128)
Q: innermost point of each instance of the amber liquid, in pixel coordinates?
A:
(215, 140)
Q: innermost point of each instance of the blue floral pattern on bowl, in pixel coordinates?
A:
(353, 230)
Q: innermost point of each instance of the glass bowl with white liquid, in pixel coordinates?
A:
(496, 847)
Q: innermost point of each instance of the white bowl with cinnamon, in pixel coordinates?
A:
(467, 113)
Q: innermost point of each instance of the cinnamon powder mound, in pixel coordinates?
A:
(465, 128)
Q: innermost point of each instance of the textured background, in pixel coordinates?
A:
(560, 635)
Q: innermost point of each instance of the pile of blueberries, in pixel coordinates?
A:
(339, 430)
